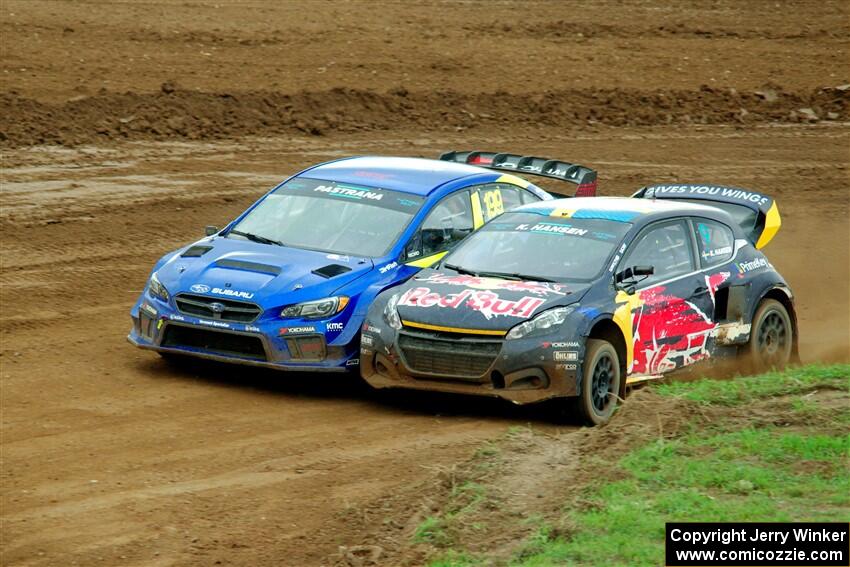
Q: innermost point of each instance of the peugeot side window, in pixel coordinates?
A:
(715, 242)
(665, 247)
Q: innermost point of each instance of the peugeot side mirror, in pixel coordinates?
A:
(627, 279)
(210, 230)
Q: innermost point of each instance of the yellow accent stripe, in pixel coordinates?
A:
(427, 261)
(562, 212)
(513, 180)
(453, 329)
(637, 379)
(477, 217)
(772, 222)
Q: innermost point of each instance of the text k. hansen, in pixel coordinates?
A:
(726, 537)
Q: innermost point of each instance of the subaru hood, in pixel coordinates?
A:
(267, 275)
(446, 300)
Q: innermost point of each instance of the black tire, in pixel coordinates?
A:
(600, 386)
(771, 337)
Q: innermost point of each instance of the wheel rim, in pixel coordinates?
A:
(602, 384)
(773, 339)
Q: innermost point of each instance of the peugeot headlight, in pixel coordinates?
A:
(317, 309)
(156, 289)
(391, 313)
(542, 323)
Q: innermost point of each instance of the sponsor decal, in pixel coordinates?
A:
(568, 344)
(338, 257)
(367, 328)
(725, 251)
(475, 282)
(407, 202)
(565, 366)
(366, 351)
(388, 267)
(353, 362)
(565, 355)
(297, 330)
(232, 293)
(252, 329)
(148, 309)
(334, 327)
(488, 303)
(727, 192)
(414, 253)
(213, 323)
(349, 193)
(200, 288)
(367, 340)
(159, 324)
(552, 228)
(177, 317)
(757, 264)
(667, 332)
(614, 263)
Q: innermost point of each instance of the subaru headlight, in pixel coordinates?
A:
(317, 309)
(542, 323)
(391, 312)
(156, 289)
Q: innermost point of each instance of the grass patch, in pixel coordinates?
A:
(729, 471)
(752, 388)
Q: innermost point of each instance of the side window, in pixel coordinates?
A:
(666, 247)
(496, 198)
(446, 225)
(716, 241)
(528, 197)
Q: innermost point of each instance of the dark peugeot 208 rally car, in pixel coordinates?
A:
(582, 297)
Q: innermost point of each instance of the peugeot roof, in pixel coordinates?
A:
(622, 209)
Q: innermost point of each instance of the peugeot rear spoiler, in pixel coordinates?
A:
(754, 212)
(583, 177)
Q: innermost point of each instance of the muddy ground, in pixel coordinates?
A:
(127, 127)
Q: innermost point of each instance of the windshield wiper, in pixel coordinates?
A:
(460, 270)
(257, 238)
(516, 276)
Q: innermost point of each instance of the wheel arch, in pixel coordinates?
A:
(607, 330)
(784, 296)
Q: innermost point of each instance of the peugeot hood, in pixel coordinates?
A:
(453, 302)
(267, 275)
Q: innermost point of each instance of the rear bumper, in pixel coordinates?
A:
(522, 371)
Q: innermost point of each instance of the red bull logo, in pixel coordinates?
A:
(476, 282)
(485, 302)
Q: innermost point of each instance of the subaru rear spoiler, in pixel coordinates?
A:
(583, 177)
(754, 212)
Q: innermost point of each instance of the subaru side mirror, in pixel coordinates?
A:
(210, 230)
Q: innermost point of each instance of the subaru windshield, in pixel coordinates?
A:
(329, 216)
(530, 246)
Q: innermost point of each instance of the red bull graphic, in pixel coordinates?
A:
(477, 282)
(670, 332)
(485, 302)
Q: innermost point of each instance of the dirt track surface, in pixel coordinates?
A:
(110, 456)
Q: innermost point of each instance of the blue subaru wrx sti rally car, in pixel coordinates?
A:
(288, 283)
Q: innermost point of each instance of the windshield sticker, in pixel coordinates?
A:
(552, 228)
(484, 283)
(716, 191)
(350, 193)
(373, 196)
(487, 303)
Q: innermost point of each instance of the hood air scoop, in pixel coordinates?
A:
(249, 266)
(331, 270)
